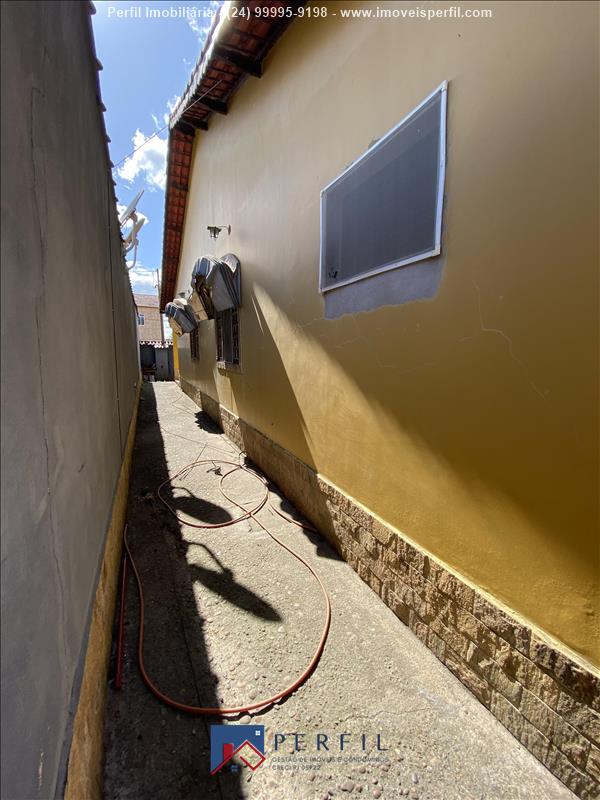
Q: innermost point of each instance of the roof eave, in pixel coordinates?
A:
(235, 49)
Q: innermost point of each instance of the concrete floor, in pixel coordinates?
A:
(231, 617)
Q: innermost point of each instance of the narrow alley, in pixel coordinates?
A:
(300, 349)
(231, 617)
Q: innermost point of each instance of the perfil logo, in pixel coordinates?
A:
(236, 745)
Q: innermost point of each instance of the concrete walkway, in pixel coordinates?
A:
(231, 617)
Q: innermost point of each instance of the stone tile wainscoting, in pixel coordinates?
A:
(549, 702)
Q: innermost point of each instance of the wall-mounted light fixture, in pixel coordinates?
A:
(215, 230)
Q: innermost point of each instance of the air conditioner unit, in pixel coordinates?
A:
(216, 284)
(180, 316)
(225, 283)
(199, 298)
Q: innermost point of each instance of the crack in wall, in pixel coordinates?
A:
(509, 341)
(361, 337)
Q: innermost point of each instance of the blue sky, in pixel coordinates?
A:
(147, 63)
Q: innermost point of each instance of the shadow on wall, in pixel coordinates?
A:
(205, 423)
(291, 476)
(468, 408)
(498, 429)
(196, 368)
(278, 401)
(471, 408)
(296, 479)
(138, 724)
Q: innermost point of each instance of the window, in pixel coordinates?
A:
(228, 336)
(194, 345)
(140, 319)
(385, 209)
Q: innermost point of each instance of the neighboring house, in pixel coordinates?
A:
(149, 320)
(156, 352)
(69, 397)
(412, 360)
(156, 361)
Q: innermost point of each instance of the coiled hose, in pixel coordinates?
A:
(246, 514)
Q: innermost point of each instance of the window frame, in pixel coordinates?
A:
(195, 344)
(219, 339)
(141, 319)
(437, 248)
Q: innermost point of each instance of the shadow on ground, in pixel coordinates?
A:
(223, 583)
(204, 422)
(197, 509)
(211, 640)
(153, 752)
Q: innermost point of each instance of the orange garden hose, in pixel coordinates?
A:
(121, 632)
(246, 514)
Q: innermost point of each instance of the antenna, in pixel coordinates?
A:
(131, 209)
(131, 238)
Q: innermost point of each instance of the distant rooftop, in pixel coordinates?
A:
(236, 48)
(148, 300)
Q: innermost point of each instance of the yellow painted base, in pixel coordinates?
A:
(176, 356)
(84, 775)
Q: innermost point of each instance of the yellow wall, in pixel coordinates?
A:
(469, 422)
(176, 355)
(84, 774)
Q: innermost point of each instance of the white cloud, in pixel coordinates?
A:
(202, 23)
(143, 280)
(172, 103)
(171, 106)
(149, 161)
(200, 28)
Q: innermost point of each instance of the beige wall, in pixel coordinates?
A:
(468, 422)
(150, 330)
(70, 374)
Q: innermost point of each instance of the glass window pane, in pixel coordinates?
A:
(384, 209)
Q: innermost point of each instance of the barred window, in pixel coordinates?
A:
(227, 328)
(194, 345)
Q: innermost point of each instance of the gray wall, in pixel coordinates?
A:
(164, 364)
(69, 368)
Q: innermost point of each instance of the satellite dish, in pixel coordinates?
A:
(131, 209)
(131, 239)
